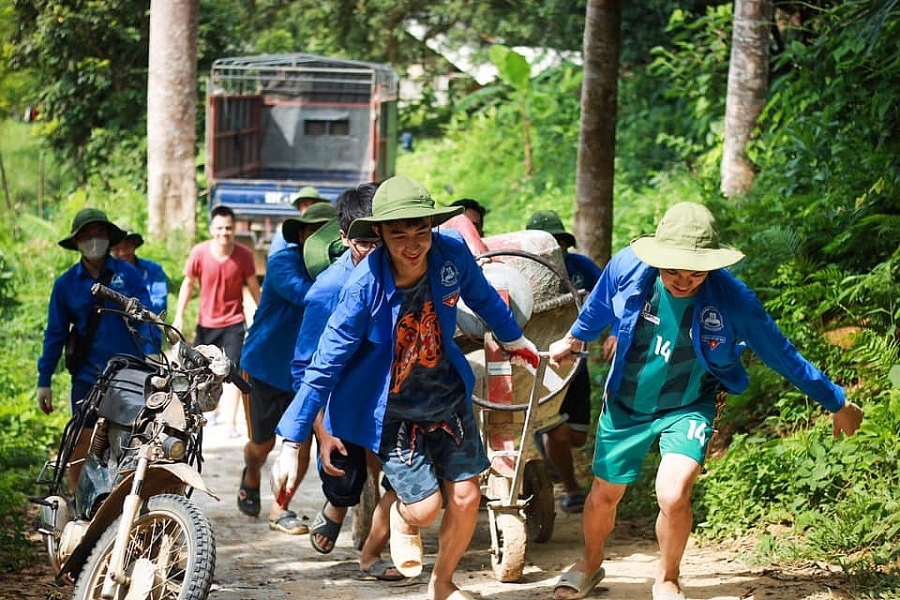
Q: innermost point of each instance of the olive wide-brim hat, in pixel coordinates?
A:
(85, 217)
(323, 248)
(320, 212)
(400, 198)
(686, 239)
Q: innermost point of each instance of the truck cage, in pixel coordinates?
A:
(310, 77)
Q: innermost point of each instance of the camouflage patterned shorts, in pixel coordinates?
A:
(415, 455)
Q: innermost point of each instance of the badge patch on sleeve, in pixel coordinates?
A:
(451, 299)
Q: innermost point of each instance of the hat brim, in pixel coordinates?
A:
(650, 251)
(567, 237)
(135, 238)
(116, 235)
(362, 227)
(317, 249)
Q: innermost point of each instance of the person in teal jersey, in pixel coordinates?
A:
(683, 322)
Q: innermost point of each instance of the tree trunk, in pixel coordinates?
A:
(171, 118)
(597, 138)
(748, 80)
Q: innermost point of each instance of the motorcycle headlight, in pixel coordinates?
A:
(174, 448)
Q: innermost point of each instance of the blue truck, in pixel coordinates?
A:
(278, 122)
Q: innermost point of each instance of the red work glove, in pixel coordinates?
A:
(522, 352)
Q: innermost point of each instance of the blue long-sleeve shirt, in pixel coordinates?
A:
(319, 303)
(156, 282)
(727, 317)
(350, 371)
(269, 346)
(71, 302)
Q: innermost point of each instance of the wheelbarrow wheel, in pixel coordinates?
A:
(508, 561)
(540, 512)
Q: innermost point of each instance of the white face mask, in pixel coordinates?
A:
(93, 248)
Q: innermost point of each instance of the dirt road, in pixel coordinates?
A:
(256, 563)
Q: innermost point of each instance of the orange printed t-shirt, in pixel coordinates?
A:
(221, 284)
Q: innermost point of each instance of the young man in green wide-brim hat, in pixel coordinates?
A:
(390, 378)
(683, 322)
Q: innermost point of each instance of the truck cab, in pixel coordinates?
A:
(279, 122)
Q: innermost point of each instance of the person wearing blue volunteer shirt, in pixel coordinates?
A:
(266, 358)
(155, 279)
(683, 322)
(72, 312)
(302, 200)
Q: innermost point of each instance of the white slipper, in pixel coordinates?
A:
(406, 549)
(666, 595)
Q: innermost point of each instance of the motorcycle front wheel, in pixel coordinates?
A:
(171, 554)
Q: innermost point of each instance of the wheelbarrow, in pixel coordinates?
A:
(515, 403)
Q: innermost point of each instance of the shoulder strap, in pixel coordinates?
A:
(94, 320)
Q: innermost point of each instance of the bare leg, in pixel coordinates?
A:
(228, 406)
(597, 523)
(380, 532)
(674, 481)
(558, 444)
(457, 527)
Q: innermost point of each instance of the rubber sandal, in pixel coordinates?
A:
(248, 498)
(406, 549)
(582, 583)
(325, 527)
(287, 522)
(573, 504)
(460, 595)
(666, 595)
(379, 570)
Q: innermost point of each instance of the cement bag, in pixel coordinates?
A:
(501, 277)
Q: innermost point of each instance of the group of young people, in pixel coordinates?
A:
(356, 347)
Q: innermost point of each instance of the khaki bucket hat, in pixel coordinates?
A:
(85, 217)
(400, 198)
(686, 239)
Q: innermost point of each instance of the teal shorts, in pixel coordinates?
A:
(624, 438)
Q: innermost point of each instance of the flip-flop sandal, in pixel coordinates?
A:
(326, 528)
(573, 504)
(406, 549)
(581, 583)
(287, 522)
(379, 570)
(248, 498)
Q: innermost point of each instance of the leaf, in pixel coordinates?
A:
(513, 67)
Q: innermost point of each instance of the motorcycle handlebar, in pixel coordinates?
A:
(133, 306)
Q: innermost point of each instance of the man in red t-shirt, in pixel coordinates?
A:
(223, 268)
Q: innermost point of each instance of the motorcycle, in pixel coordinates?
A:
(130, 530)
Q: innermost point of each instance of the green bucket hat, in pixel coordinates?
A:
(686, 239)
(323, 248)
(320, 212)
(85, 217)
(132, 236)
(307, 193)
(400, 198)
(549, 221)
